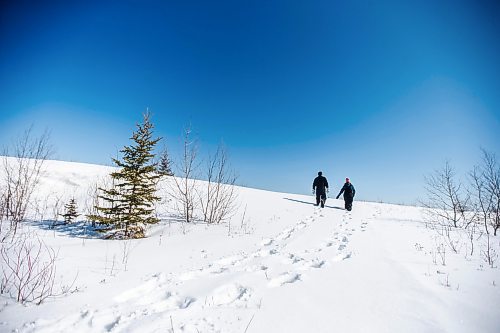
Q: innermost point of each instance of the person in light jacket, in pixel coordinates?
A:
(349, 192)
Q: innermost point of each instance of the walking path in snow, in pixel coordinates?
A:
(238, 281)
(301, 269)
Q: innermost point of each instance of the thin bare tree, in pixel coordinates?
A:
(22, 167)
(92, 201)
(218, 200)
(445, 204)
(484, 205)
(491, 175)
(28, 269)
(184, 184)
(482, 198)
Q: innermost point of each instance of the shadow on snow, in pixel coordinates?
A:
(80, 229)
(311, 203)
(84, 229)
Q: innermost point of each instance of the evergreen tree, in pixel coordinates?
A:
(129, 203)
(70, 213)
(110, 211)
(165, 164)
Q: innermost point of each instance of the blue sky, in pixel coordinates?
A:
(380, 91)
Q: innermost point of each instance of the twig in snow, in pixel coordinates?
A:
(249, 323)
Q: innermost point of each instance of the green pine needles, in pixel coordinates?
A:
(128, 206)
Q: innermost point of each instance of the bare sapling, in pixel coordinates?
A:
(126, 249)
(98, 201)
(93, 199)
(245, 225)
(56, 210)
(218, 200)
(483, 199)
(29, 269)
(441, 251)
(489, 254)
(472, 236)
(444, 204)
(452, 238)
(183, 187)
(3, 209)
(22, 167)
(484, 203)
(43, 207)
(491, 178)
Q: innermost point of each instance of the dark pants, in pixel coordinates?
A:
(320, 198)
(348, 203)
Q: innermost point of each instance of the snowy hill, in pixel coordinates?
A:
(281, 265)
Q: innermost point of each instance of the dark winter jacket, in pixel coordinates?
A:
(320, 184)
(348, 191)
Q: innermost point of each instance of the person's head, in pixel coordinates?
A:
(347, 180)
(320, 173)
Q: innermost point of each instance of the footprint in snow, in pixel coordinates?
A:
(234, 260)
(301, 225)
(324, 245)
(264, 253)
(191, 275)
(198, 325)
(216, 270)
(342, 256)
(256, 268)
(287, 233)
(315, 263)
(228, 294)
(293, 259)
(137, 292)
(267, 242)
(284, 279)
(105, 319)
(171, 302)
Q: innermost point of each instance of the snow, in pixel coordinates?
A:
(284, 265)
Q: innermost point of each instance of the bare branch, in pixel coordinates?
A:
(22, 170)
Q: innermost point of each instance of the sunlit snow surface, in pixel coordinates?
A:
(280, 265)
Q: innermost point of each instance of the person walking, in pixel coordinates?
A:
(320, 187)
(349, 192)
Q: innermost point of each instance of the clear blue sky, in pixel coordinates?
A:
(380, 91)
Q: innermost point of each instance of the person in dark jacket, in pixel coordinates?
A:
(320, 187)
(349, 193)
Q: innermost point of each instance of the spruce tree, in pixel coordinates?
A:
(70, 213)
(111, 210)
(130, 203)
(165, 164)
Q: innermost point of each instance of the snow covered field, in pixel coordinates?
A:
(282, 265)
